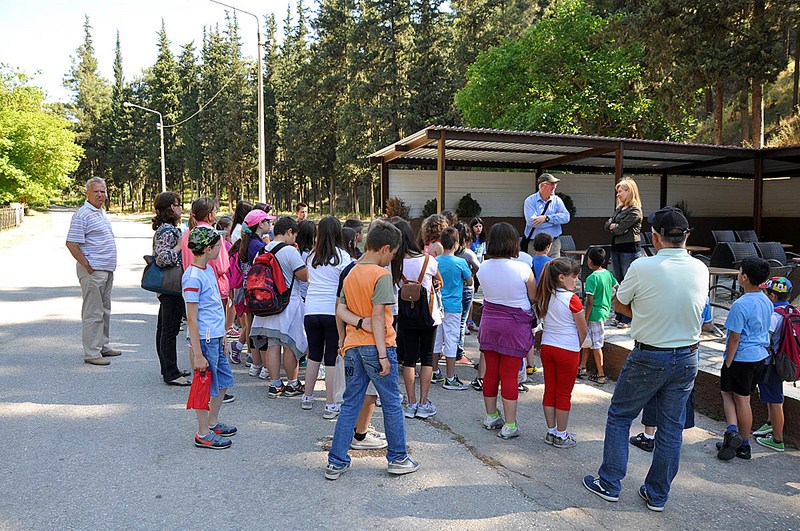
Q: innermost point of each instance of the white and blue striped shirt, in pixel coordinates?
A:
(91, 230)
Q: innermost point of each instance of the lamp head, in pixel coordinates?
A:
(126, 104)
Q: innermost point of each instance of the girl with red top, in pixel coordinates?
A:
(564, 329)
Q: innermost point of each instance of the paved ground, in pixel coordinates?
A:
(94, 447)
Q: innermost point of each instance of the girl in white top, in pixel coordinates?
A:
(564, 329)
(414, 345)
(325, 263)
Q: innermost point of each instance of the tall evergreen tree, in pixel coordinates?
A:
(163, 90)
(189, 134)
(90, 102)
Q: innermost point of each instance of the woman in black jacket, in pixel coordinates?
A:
(625, 226)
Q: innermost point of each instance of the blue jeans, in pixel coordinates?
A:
(466, 304)
(620, 262)
(361, 366)
(669, 376)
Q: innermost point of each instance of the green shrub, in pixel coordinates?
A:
(468, 207)
(569, 204)
(430, 208)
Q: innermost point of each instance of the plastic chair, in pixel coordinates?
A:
(747, 236)
(567, 243)
(776, 255)
(723, 236)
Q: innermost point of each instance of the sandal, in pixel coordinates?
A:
(582, 373)
(598, 379)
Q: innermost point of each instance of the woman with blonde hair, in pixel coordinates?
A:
(625, 226)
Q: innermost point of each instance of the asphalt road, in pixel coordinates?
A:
(87, 447)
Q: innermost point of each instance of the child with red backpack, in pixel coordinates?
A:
(770, 388)
(277, 308)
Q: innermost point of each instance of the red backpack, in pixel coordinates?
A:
(787, 358)
(266, 292)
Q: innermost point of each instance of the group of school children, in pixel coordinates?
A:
(406, 301)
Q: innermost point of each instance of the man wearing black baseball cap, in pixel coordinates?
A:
(665, 294)
(545, 212)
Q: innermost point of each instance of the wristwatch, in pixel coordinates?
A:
(547, 219)
(360, 322)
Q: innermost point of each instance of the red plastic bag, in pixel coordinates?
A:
(200, 392)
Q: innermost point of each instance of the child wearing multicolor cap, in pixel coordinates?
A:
(770, 388)
(206, 319)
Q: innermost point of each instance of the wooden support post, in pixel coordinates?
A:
(758, 193)
(663, 201)
(384, 185)
(618, 163)
(440, 173)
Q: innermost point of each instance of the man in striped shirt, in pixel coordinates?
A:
(90, 240)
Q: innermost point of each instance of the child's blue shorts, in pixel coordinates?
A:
(770, 388)
(221, 373)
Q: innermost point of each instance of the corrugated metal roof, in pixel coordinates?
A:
(538, 150)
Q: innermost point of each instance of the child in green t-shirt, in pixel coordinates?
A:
(599, 288)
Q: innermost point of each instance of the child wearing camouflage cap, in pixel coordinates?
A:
(206, 319)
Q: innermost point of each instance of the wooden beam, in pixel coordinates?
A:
(758, 194)
(705, 164)
(441, 162)
(402, 149)
(384, 185)
(618, 163)
(573, 157)
(663, 195)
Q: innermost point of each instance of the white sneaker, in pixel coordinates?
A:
(264, 374)
(331, 411)
(306, 402)
(254, 370)
(507, 432)
(493, 423)
(370, 442)
(425, 410)
(375, 433)
(410, 411)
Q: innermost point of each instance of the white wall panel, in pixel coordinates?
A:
(501, 194)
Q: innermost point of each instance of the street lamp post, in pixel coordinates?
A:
(160, 128)
(262, 184)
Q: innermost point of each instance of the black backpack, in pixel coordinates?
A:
(414, 303)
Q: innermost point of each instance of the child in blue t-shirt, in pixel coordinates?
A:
(748, 339)
(541, 246)
(770, 388)
(455, 273)
(206, 319)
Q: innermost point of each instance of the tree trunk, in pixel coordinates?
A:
(758, 113)
(744, 112)
(332, 195)
(709, 104)
(718, 108)
(796, 75)
(372, 210)
(356, 206)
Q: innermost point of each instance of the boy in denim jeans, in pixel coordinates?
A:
(371, 356)
(206, 320)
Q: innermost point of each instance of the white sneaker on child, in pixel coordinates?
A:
(254, 370)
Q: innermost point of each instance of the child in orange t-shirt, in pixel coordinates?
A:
(371, 355)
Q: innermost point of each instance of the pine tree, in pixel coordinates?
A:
(90, 103)
(121, 137)
(163, 91)
(189, 134)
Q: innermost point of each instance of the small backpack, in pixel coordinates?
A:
(235, 272)
(414, 303)
(266, 292)
(787, 357)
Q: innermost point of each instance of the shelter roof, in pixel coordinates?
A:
(493, 148)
